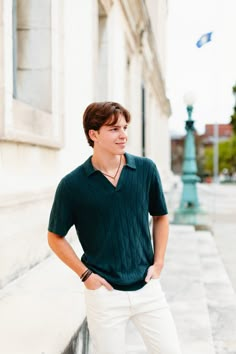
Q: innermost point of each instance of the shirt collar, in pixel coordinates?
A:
(89, 169)
(130, 161)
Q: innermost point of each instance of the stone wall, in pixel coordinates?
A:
(56, 57)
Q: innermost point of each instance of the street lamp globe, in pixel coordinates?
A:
(189, 98)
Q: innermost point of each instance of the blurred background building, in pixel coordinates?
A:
(225, 132)
(204, 144)
(56, 57)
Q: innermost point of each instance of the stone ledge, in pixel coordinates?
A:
(16, 191)
(200, 292)
(42, 310)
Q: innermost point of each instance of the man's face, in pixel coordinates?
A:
(111, 138)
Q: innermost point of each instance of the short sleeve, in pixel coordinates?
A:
(157, 203)
(61, 216)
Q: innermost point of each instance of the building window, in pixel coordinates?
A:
(14, 41)
(102, 81)
(32, 72)
(32, 82)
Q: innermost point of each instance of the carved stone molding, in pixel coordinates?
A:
(106, 5)
(140, 36)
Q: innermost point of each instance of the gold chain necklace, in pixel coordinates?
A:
(113, 177)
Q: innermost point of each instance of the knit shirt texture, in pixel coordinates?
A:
(112, 223)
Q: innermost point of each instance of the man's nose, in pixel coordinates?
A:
(123, 133)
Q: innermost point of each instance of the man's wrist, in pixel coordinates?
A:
(85, 275)
(159, 263)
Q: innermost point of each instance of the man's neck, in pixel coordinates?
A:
(107, 162)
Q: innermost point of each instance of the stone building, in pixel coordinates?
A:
(55, 58)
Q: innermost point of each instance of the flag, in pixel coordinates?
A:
(205, 38)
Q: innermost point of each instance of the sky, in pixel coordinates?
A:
(208, 72)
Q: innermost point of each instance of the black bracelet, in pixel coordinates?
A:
(87, 275)
(83, 275)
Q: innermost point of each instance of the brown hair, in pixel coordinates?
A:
(98, 114)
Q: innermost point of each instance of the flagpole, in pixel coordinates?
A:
(216, 152)
(204, 39)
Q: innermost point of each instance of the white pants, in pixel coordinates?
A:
(108, 313)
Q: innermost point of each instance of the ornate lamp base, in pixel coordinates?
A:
(191, 216)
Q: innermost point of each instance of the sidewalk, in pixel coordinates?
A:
(42, 311)
(200, 295)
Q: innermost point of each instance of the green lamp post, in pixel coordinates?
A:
(189, 211)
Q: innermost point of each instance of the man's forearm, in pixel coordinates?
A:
(65, 252)
(160, 237)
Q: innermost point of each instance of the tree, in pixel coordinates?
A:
(227, 149)
(233, 117)
(227, 156)
(208, 160)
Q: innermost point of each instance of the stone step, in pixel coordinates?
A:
(220, 295)
(182, 281)
(41, 311)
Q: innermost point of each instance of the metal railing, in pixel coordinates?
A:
(79, 343)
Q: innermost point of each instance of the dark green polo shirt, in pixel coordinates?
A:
(111, 222)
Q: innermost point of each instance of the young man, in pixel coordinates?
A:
(108, 199)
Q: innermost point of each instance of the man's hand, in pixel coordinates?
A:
(154, 271)
(94, 282)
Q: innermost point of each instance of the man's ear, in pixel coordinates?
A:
(93, 134)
